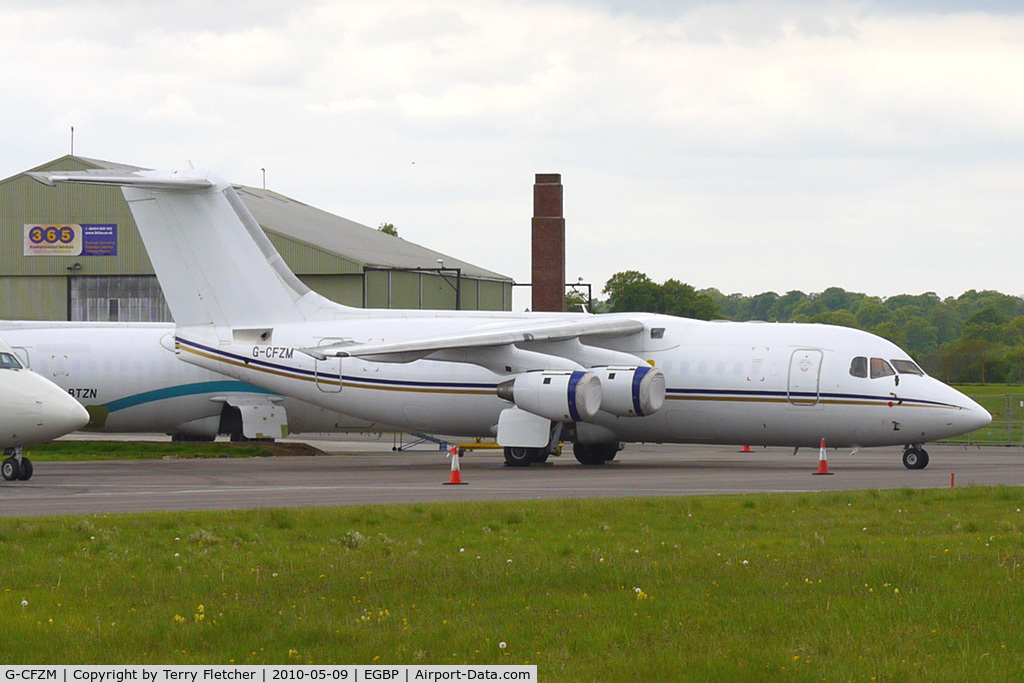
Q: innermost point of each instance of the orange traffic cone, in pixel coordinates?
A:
(822, 460)
(456, 475)
(745, 449)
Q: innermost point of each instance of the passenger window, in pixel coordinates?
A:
(859, 367)
(907, 367)
(880, 368)
(8, 361)
(657, 333)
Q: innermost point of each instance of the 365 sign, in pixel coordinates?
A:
(74, 239)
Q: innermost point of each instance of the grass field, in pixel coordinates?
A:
(861, 586)
(159, 450)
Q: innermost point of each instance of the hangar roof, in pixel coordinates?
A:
(298, 221)
(355, 241)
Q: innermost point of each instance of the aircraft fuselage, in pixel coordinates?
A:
(726, 382)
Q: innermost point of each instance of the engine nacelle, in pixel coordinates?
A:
(559, 395)
(631, 391)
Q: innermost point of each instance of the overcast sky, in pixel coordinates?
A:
(748, 146)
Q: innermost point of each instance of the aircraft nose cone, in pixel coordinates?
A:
(60, 414)
(966, 417)
(975, 417)
(73, 416)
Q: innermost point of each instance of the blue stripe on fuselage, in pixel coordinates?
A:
(183, 390)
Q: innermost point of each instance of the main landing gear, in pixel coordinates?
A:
(15, 467)
(521, 456)
(915, 457)
(595, 454)
(524, 456)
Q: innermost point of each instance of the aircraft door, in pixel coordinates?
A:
(328, 375)
(804, 377)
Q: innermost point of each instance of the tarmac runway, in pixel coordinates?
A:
(355, 475)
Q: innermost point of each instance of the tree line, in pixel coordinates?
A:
(977, 337)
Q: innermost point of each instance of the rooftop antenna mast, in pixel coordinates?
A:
(72, 141)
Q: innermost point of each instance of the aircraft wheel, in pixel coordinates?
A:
(26, 470)
(594, 455)
(915, 458)
(519, 456)
(10, 470)
(910, 458)
(923, 460)
(541, 456)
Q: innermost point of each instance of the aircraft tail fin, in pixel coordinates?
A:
(214, 262)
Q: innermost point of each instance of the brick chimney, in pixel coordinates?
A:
(548, 250)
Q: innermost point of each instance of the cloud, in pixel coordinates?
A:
(733, 144)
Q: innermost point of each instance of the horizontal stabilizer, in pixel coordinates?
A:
(174, 182)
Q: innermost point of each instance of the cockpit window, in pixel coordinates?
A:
(880, 368)
(8, 361)
(859, 367)
(907, 367)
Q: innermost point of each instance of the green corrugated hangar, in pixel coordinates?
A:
(74, 253)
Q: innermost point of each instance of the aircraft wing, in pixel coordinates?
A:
(512, 333)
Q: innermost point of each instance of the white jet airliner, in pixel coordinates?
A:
(528, 379)
(128, 378)
(32, 410)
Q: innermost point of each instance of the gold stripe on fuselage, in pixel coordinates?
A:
(334, 382)
(800, 402)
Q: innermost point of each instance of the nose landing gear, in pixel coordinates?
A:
(15, 467)
(915, 457)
